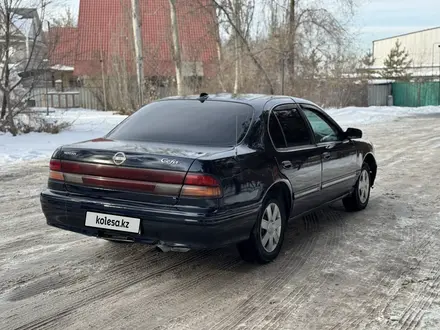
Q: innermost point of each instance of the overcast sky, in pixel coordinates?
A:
(378, 19)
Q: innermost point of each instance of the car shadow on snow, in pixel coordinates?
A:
(299, 233)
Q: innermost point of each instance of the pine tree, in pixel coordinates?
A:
(367, 63)
(397, 64)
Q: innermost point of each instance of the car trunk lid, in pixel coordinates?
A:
(129, 170)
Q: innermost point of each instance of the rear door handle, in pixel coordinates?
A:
(286, 164)
(326, 155)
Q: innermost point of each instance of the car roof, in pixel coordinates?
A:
(258, 101)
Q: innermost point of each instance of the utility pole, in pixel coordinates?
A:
(137, 34)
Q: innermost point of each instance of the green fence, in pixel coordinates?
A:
(412, 94)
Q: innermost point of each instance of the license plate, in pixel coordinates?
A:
(112, 222)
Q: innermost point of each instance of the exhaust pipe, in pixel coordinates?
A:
(174, 248)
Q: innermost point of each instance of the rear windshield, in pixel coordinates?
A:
(212, 123)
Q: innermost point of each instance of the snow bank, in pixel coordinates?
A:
(88, 124)
(352, 116)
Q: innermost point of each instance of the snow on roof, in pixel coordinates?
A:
(60, 67)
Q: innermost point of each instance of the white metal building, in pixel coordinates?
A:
(422, 46)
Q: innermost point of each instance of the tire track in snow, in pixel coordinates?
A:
(294, 300)
(420, 301)
(253, 304)
(106, 292)
(202, 278)
(376, 295)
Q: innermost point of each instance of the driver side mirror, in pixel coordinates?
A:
(353, 133)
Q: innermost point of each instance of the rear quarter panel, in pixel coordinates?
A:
(245, 176)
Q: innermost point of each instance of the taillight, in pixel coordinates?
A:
(201, 180)
(55, 165)
(55, 170)
(200, 185)
(152, 181)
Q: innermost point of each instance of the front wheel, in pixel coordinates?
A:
(358, 200)
(267, 237)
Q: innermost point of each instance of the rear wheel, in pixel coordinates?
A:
(267, 237)
(358, 200)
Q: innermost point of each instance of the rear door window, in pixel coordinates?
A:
(211, 123)
(287, 128)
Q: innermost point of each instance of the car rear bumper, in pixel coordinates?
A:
(172, 227)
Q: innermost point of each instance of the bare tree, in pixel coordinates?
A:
(21, 52)
(236, 9)
(138, 48)
(229, 16)
(177, 56)
(65, 19)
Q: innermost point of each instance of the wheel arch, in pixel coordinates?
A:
(282, 188)
(371, 161)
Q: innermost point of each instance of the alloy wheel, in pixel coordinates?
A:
(270, 231)
(364, 186)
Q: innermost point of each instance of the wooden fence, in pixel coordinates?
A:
(74, 98)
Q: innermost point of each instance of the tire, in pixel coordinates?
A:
(358, 200)
(262, 246)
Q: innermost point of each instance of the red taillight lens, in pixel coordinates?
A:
(55, 165)
(201, 180)
(151, 181)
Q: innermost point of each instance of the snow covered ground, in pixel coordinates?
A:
(88, 124)
(376, 269)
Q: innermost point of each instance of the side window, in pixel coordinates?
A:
(276, 133)
(323, 130)
(288, 129)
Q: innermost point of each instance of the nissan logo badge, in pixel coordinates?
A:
(119, 158)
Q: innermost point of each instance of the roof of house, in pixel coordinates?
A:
(406, 34)
(26, 24)
(63, 43)
(105, 29)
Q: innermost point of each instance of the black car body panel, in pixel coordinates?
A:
(309, 175)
